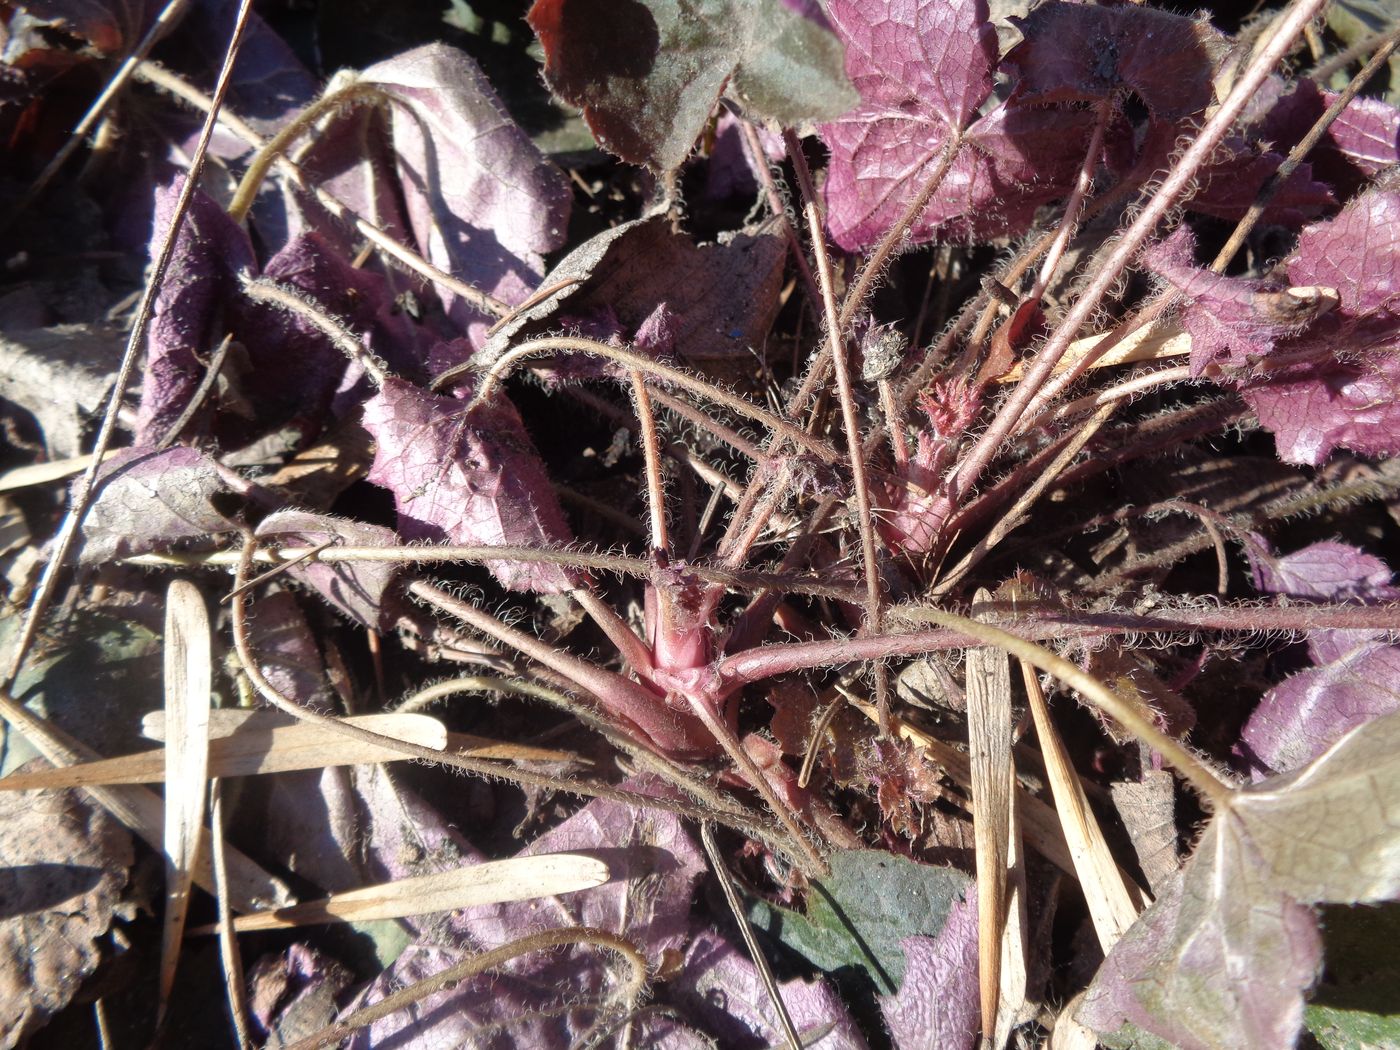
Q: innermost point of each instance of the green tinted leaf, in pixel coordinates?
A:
(857, 916)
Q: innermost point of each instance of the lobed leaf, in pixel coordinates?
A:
(1225, 958)
(923, 71)
(647, 73)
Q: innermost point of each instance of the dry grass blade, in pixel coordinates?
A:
(189, 676)
(1069, 1034)
(1106, 892)
(1146, 344)
(251, 743)
(229, 958)
(1015, 977)
(44, 473)
(993, 777)
(492, 882)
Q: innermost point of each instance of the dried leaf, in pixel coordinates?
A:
(722, 298)
(61, 376)
(147, 500)
(63, 861)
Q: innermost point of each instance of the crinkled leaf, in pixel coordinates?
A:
(1086, 52)
(858, 915)
(146, 500)
(922, 71)
(358, 589)
(1329, 831)
(937, 1002)
(63, 863)
(1225, 959)
(1209, 965)
(1332, 406)
(647, 73)
(468, 479)
(651, 848)
(721, 298)
(483, 203)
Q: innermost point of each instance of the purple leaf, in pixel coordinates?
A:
(1319, 400)
(483, 203)
(1085, 53)
(1327, 407)
(524, 1005)
(923, 71)
(361, 590)
(1328, 571)
(210, 252)
(647, 74)
(721, 992)
(281, 370)
(269, 82)
(1310, 711)
(1237, 171)
(937, 1003)
(1362, 142)
(467, 479)
(730, 170)
(1230, 319)
(650, 845)
(147, 500)
(1332, 572)
(286, 649)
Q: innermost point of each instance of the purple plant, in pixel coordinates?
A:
(771, 506)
